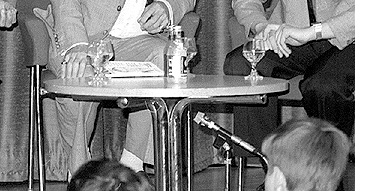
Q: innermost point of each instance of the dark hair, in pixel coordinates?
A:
(107, 175)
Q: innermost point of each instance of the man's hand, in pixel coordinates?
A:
(154, 18)
(267, 32)
(8, 14)
(289, 35)
(74, 63)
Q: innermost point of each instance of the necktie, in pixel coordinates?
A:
(311, 12)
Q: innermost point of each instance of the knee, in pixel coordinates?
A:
(324, 87)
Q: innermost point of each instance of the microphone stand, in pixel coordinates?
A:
(204, 120)
(220, 142)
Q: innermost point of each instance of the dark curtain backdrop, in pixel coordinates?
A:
(213, 44)
(213, 39)
(14, 91)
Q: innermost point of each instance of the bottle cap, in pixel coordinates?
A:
(176, 32)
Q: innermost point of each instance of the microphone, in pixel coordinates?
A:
(204, 120)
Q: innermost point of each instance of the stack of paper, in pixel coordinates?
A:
(132, 69)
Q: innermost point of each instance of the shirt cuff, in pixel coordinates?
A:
(170, 11)
(72, 46)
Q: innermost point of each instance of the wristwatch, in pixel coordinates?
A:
(318, 30)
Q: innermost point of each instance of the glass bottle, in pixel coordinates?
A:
(175, 56)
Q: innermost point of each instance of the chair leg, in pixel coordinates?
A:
(31, 128)
(35, 124)
(40, 141)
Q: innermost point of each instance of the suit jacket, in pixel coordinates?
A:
(339, 14)
(83, 20)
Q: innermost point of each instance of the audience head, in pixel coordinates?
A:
(308, 154)
(107, 175)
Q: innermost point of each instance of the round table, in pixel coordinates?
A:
(167, 98)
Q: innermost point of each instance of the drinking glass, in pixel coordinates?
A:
(253, 51)
(99, 53)
(191, 50)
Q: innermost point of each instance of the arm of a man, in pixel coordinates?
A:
(73, 37)
(249, 13)
(162, 13)
(342, 24)
(339, 30)
(69, 23)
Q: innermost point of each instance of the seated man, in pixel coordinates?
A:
(303, 155)
(8, 14)
(324, 53)
(107, 175)
(134, 29)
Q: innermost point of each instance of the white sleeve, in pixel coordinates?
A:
(72, 46)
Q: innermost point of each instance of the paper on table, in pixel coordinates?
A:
(126, 24)
(132, 69)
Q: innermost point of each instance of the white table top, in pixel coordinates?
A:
(194, 86)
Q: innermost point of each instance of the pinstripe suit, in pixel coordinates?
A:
(79, 21)
(85, 20)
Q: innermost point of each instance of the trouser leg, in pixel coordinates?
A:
(139, 137)
(139, 125)
(56, 154)
(76, 123)
(141, 48)
(254, 122)
(328, 88)
(72, 121)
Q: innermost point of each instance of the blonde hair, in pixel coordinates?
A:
(311, 153)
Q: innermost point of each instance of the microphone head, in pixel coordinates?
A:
(199, 117)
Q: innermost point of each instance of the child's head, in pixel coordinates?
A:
(107, 175)
(308, 154)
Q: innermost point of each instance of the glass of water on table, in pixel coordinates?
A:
(99, 53)
(253, 51)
